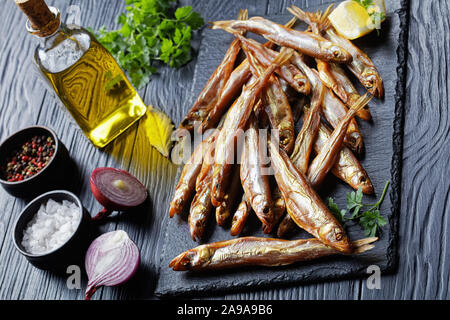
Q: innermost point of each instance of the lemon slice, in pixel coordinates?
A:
(351, 20)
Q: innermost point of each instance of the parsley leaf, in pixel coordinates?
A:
(375, 15)
(151, 31)
(339, 214)
(354, 201)
(187, 15)
(370, 220)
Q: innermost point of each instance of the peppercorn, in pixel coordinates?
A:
(29, 159)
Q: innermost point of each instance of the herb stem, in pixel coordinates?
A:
(383, 194)
(378, 203)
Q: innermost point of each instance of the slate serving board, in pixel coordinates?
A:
(381, 159)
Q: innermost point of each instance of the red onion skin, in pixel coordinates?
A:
(92, 288)
(108, 204)
(90, 292)
(102, 214)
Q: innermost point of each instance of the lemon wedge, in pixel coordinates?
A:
(351, 20)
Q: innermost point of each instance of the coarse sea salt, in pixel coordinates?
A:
(52, 225)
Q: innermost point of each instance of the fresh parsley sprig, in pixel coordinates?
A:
(375, 15)
(370, 220)
(151, 31)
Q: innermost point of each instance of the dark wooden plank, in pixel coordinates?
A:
(424, 256)
(167, 91)
(37, 284)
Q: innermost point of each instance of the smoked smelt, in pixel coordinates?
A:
(304, 205)
(240, 217)
(275, 104)
(278, 206)
(335, 78)
(286, 226)
(305, 138)
(346, 167)
(332, 74)
(208, 162)
(234, 124)
(305, 42)
(211, 91)
(327, 156)
(237, 79)
(298, 105)
(360, 64)
(332, 108)
(279, 112)
(254, 181)
(296, 79)
(186, 185)
(223, 212)
(254, 251)
(200, 211)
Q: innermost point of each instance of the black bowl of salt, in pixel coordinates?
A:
(53, 231)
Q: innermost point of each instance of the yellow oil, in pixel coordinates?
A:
(96, 92)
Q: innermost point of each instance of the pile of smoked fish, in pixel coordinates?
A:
(293, 73)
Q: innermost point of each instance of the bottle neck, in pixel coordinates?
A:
(50, 28)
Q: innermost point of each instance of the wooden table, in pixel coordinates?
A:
(424, 252)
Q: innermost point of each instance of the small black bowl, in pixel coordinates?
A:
(72, 251)
(57, 174)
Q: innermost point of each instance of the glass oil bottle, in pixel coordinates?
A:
(84, 75)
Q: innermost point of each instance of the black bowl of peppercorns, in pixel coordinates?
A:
(33, 161)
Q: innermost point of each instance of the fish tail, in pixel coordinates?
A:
(226, 24)
(221, 24)
(323, 20)
(291, 23)
(364, 248)
(363, 245)
(318, 19)
(300, 14)
(243, 14)
(284, 56)
(361, 102)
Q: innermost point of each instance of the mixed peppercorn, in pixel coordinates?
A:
(31, 158)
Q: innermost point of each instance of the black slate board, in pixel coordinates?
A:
(381, 159)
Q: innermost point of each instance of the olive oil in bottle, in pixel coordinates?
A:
(86, 78)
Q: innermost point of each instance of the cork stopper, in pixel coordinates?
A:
(42, 20)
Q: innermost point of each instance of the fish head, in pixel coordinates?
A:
(361, 180)
(191, 259)
(335, 236)
(338, 53)
(355, 141)
(263, 209)
(373, 82)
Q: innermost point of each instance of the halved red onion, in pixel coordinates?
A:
(116, 190)
(111, 259)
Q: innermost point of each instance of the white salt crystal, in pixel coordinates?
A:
(52, 225)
